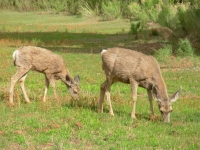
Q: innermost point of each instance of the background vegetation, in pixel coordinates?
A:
(78, 31)
(174, 14)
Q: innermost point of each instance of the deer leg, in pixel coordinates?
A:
(101, 100)
(108, 84)
(53, 84)
(19, 74)
(46, 88)
(21, 81)
(151, 104)
(134, 87)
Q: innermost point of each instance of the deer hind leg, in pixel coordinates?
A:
(21, 72)
(21, 81)
(151, 104)
(134, 87)
(107, 92)
(101, 100)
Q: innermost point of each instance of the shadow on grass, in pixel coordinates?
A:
(77, 42)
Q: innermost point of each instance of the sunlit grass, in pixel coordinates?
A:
(40, 22)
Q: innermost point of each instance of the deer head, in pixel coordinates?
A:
(73, 86)
(165, 105)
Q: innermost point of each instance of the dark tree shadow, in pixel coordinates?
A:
(81, 42)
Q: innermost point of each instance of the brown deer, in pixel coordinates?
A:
(44, 61)
(136, 69)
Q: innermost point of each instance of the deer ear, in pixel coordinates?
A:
(68, 80)
(176, 95)
(77, 79)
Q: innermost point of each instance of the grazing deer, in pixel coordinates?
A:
(41, 60)
(136, 69)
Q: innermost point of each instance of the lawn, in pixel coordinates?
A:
(76, 124)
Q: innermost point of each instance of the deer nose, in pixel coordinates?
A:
(75, 97)
(166, 117)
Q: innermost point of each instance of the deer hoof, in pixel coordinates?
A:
(112, 114)
(152, 117)
(133, 117)
(10, 104)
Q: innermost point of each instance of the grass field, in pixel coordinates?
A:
(77, 125)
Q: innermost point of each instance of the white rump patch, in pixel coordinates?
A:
(15, 54)
(103, 51)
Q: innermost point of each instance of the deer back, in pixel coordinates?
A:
(123, 64)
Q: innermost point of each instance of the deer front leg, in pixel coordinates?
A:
(53, 84)
(101, 100)
(151, 104)
(134, 87)
(46, 88)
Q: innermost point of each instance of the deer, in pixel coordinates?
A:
(44, 61)
(138, 70)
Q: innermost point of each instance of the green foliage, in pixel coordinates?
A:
(163, 54)
(167, 16)
(73, 6)
(111, 10)
(87, 11)
(185, 48)
(138, 14)
(135, 28)
(189, 19)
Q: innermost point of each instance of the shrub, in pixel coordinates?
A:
(86, 10)
(164, 53)
(167, 16)
(135, 28)
(189, 19)
(72, 6)
(111, 10)
(185, 48)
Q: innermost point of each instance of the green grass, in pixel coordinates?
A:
(77, 125)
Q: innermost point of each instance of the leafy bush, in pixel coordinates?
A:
(86, 10)
(167, 16)
(189, 19)
(111, 10)
(185, 48)
(138, 14)
(135, 28)
(72, 6)
(164, 53)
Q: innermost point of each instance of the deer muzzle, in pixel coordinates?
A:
(166, 117)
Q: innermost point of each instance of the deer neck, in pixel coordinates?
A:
(161, 89)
